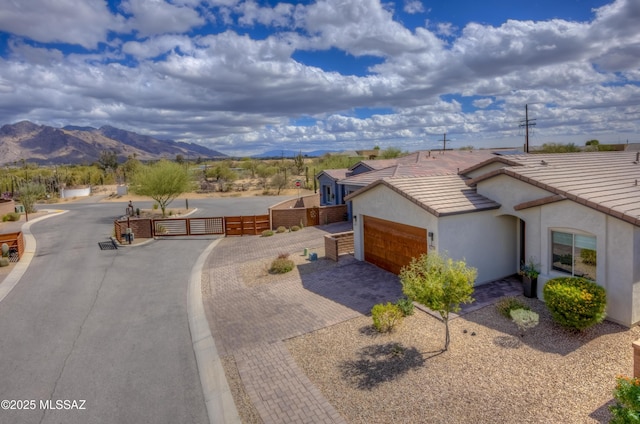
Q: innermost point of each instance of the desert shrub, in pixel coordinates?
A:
(627, 406)
(4, 262)
(386, 316)
(524, 319)
(11, 216)
(508, 304)
(575, 302)
(281, 229)
(282, 264)
(267, 233)
(406, 306)
(155, 206)
(295, 228)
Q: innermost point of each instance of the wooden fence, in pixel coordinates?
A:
(246, 225)
(229, 225)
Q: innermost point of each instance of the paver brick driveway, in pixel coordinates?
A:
(250, 314)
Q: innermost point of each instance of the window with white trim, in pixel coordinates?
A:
(574, 254)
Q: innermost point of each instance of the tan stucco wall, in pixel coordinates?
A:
(465, 236)
(381, 202)
(618, 242)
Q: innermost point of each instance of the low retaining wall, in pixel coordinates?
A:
(338, 244)
(7, 206)
(294, 212)
(140, 227)
(67, 193)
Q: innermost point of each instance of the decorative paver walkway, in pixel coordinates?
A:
(251, 321)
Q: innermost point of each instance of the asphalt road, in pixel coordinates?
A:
(107, 329)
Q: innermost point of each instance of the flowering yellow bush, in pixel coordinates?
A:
(575, 302)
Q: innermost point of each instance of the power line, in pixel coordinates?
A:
(526, 123)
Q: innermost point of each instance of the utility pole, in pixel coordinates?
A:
(526, 124)
(444, 142)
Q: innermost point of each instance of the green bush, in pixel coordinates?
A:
(386, 316)
(155, 206)
(281, 229)
(295, 228)
(627, 407)
(282, 264)
(267, 233)
(508, 304)
(11, 216)
(4, 262)
(575, 302)
(406, 306)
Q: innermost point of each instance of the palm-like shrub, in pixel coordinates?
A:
(575, 302)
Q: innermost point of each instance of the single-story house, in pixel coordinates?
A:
(336, 184)
(572, 213)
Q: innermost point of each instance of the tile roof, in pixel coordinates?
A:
(440, 195)
(419, 164)
(336, 174)
(604, 181)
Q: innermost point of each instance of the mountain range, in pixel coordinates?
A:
(43, 144)
(292, 153)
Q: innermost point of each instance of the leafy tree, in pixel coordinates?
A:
(439, 283)
(180, 159)
(162, 181)
(391, 153)
(108, 160)
(250, 165)
(29, 193)
(222, 173)
(592, 143)
(279, 181)
(130, 167)
(264, 172)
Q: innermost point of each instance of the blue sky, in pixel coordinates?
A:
(248, 76)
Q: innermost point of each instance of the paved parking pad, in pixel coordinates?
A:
(251, 320)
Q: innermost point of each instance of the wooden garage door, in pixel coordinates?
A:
(391, 245)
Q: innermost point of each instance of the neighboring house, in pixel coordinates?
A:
(330, 193)
(424, 162)
(573, 213)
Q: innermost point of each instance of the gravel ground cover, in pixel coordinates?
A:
(490, 374)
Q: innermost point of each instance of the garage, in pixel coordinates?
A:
(391, 245)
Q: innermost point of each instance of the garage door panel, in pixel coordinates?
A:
(391, 245)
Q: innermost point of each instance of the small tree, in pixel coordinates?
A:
(279, 181)
(29, 193)
(439, 283)
(162, 181)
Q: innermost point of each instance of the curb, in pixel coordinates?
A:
(217, 394)
(18, 271)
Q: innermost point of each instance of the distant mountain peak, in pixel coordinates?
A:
(76, 144)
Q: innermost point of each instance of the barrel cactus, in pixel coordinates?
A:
(5, 250)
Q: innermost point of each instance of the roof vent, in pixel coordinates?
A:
(637, 158)
(543, 162)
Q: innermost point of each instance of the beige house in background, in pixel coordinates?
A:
(573, 213)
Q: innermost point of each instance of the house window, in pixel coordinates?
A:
(327, 194)
(574, 254)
